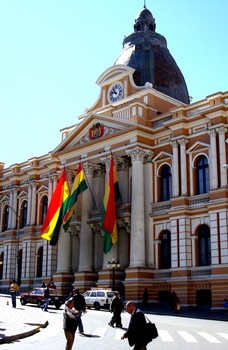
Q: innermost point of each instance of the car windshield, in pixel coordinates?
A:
(53, 291)
(110, 294)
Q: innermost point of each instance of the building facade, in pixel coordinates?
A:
(170, 157)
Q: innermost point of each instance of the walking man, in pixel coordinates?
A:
(13, 291)
(80, 306)
(116, 307)
(136, 330)
(46, 297)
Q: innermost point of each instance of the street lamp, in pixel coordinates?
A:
(113, 265)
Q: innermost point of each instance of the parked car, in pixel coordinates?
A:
(36, 296)
(98, 298)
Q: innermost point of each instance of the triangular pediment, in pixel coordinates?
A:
(4, 200)
(197, 146)
(93, 128)
(22, 194)
(162, 156)
(42, 189)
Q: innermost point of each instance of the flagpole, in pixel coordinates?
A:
(94, 202)
(121, 201)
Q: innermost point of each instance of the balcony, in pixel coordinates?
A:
(199, 200)
(200, 271)
(122, 211)
(160, 208)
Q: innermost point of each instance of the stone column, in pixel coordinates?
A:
(12, 216)
(86, 240)
(123, 179)
(64, 250)
(29, 205)
(222, 156)
(137, 246)
(98, 186)
(15, 214)
(213, 160)
(148, 189)
(157, 242)
(175, 170)
(50, 190)
(183, 165)
(33, 204)
(75, 239)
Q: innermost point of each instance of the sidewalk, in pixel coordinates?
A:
(17, 323)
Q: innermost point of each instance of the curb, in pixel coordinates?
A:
(24, 334)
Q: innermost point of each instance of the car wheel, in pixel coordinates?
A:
(39, 303)
(97, 306)
(23, 301)
(57, 306)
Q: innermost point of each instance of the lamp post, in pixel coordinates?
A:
(17, 278)
(113, 265)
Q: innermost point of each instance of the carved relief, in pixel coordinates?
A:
(96, 131)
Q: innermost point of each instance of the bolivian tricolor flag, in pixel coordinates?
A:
(56, 211)
(79, 186)
(108, 210)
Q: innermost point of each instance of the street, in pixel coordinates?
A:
(174, 333)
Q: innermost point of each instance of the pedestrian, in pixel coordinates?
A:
(13, 291)
(71, 290)
(145, 298)
(52, 284)
(46, 298)
(70, 322)
(116, 308)
(80, 306)
(175, 302)
(136, 332)
(225, 305)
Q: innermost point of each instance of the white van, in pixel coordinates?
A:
(98, 298)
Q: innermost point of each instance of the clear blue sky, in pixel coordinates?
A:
(53, 51)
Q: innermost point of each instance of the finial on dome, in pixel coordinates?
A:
(144, 4)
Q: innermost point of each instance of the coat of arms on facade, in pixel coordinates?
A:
(96, 131)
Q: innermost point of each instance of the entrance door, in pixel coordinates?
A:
(203, 299)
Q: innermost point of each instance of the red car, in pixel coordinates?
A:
(36, 296)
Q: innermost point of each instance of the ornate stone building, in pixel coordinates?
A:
(169, 155)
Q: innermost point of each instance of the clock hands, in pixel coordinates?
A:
(115, 92)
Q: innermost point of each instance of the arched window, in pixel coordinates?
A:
(165, 255)
(1, 265)
(24, 214)
(166, 183)
(44, 207)
(6, 218)
(202, 175)
(39, 262)
(204, 246)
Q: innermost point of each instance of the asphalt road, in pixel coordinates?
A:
(174, 333)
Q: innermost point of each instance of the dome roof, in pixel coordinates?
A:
(143, 18)
(146, 51)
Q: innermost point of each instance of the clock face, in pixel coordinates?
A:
(115, 92)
